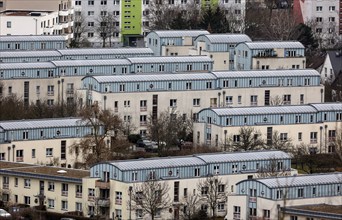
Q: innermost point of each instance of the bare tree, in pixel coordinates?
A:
(250, 139)
(106, 26)
(151, 197)
(212, 191)
(190, 205)
(80, 29)
(168, 128)
(274, 168)
(338, 143)
(279, 142)
(105, 126)
(276, 100)
(236, 22)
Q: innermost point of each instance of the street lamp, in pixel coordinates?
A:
(225, 140)
(130, 202)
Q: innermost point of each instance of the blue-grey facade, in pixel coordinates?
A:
(186, 167)
(32, 42)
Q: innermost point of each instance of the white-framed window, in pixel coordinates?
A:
(197, 172)
(78, 206)
(134, 176)
(229, 100)
(283, 136)
(173, 102)
(254, 100)
(118, 198)
(221, 188)
(27, 183)
(91, 2)
(49, 152)
(51, 203)
(196, 102)
(319, 8)
(27, 200)
(331, 8)
(300, 192)
(118, 214)
(221, 206)
(313, 137)
(51, 186)
(9, 24)
(64, 205)
(91, 192)
(188, 86)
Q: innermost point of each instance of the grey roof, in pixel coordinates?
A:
(264, 110)
(266, 73)
(242, 156)
(31, 53)
(336, 61)
(28, 38)
(114, 51)
(26, 65)
(40, 123)
(227, 38)
(109, 62)
(155, 163)
(169, 59)
(274, 44)
(180, 33)
(328, 106)
(302, 180)
(154, 77)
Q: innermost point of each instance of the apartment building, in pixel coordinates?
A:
(136, 97)
(39, 18)
(181, 174)
(15, 56)
(58, 80)
(287, 197)
(314, 125)
(132, 17)
(172, 42)
(11, 44)
(59, 189)
(219, 47)
(332, 67)
(42, 141)
(323, 16)
(269, 55)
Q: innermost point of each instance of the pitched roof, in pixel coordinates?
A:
(227, 38)
(180, 33)
(266, 73)
(40, 123)
(336, 61)
(26, 38)
(169, 59)
(92, 51)
(302, 180)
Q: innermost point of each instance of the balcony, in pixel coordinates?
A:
(78, 195)
(20, 159)
(143, 123)
(104, 202)
(70, 91)
(64, 193)
(143, 109)
(313, 141)
(91, 198)
(63, 13)
(118, 201)
(252, 199)
(5, 186)
(50, 93)
(236, 216)
(102, 185)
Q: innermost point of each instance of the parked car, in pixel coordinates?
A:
(5, 214)
(149, 146)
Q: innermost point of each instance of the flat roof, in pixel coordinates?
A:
(22, 169)
(112, 51)
(169, 59)
(32, 53)
(337, 209)
(227, 38)
(40, 123)
(29, 38)
(266, 73)
(180, 33)
(274, 44)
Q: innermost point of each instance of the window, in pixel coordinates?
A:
(143, 120)
(91, 24)
(319, 19)
(293, 217)
(79, 206)
(25, 135)
(122, 87)
(49, 152)
(51, 203)
(134, 176)
(90, 34)
(65, 188)
(267, 214)
(237, 212)
(20, 155)
(103, 2)
(319, 8)
(234, 168)
(221, 206)
(65, 205)
(50, 89)
(196, 102)
(300, 192)
(51, 186)
(283, 136)
(2, 156)
(254, 100)
(236, 138)
(225, 83)
(27, 183)
(331, 8)
(91, 2)
(197, 171)
(221, 188)
(209, 85)
(229, 100)
(78, 2)
(204, 190)
(279, 194)
(139, 213)
(313, 137)
(9, 24)
(188, 86)
(33, 153)
(173, 102)
(91, 193)
(300, 136)
(127, 103)
(27, 200)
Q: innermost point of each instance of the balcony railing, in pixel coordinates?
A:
(313, 141)
(50, 93)
(102, 184)
(143, 109)
(91, 198)
(5, 185)
(78, 195)
(236, 216)
(20, 159)
(332, 139)
(116, 109)
(104, 202)
(70, 91)
(254, 103)
(118, 201)
(64, 193)
(143, 123)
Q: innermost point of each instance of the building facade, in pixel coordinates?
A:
(269, 55)
(219, 47)
(314, 125)
(48, 42)
(270, 198)
(43, 141)
(157, 93)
